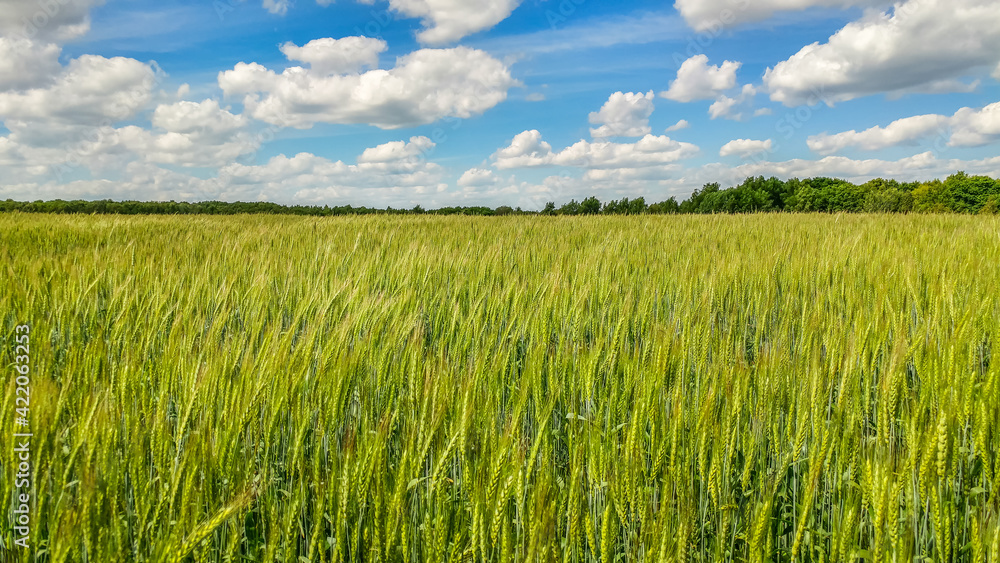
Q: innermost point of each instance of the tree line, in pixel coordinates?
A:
(959, 193)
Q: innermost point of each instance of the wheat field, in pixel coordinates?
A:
(518, 389)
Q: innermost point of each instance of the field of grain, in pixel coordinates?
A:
(696, 388)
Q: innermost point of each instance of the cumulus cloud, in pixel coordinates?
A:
(313, 178)
(680, 125)
(477, 177)
(397, 151)
(921, 44)
(423, 87)
(55, 20)
(26, 64)
(337, 56)
(304, 178)
(90, 92)
(447, 21)
(382, 172)
(623, 115)
(69, 122)
(528, 150)
(971, 128)
(705, 15)
(205, 117)
(193, 134)
(968, 127)
(89, 88)
(184, 134)
(899, 132)
(733, 108)
(697, 80)
(745, 147)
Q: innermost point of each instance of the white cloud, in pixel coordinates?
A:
(329, 56)
(968, 127)
(529, 150)
(704, 15)
(27, 64)
(397, 151)
(194, 134)
(205, 117)
(732, 108)
(302, 179)
(90, 92)
(745, 147)
(184, 134)
(697, 80)
(448, 21)
(902, 131)
(535, 97)
(52, 20)
(648, 151)
(386, 173)
(477, 177)
(921, 44)
(425, 86)
(680, 125)
(623, 115)
(89, 89)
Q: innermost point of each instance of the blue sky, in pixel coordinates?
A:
(476, 102)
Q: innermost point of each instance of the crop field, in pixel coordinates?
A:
(515, 389)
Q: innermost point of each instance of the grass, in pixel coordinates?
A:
(749, 388)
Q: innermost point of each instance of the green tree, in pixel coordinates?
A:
(694, 203)
(668, 206)
(930, 197)
(590, 206)
(571, 208)
(886, 196)
(968, 194)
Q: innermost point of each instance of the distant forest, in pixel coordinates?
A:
(960, 193)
